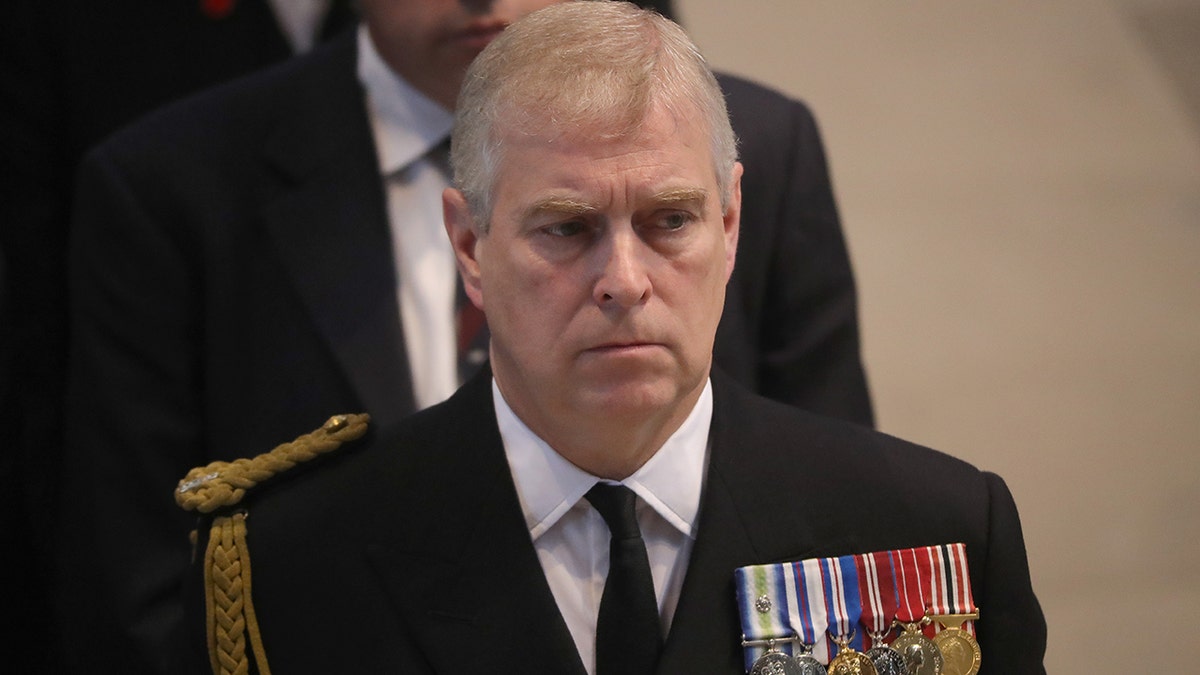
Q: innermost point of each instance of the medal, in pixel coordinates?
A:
(766, 594)
(877, 586)
(850, 662)
(775, 662)
(845, 609)
(887, 661)
(953, 608)
(921, 656)
(794, 613)
(809, 665)
(959, 649)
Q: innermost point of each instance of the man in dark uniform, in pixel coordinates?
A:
(581, 505)
(251, 259)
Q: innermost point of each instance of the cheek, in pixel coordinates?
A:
(526, 298)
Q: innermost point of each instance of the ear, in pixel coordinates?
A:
(732, 218)
(464, 239)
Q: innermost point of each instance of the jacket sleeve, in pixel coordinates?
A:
(132, 425)
(1012, 629)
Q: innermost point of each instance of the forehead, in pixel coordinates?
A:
(662, 153)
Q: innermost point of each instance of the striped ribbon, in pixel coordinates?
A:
(877, 585)
(950, 582)
(842, 599)
(820, 598)
(815, 614)
(935, 579)
(766, 597)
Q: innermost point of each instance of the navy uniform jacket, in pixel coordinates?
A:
(410, 554)
(233, 285)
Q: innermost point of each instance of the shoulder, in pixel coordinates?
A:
(753, 106)
(238, 113)
(401, 473)
(882, 488)
(779, 426)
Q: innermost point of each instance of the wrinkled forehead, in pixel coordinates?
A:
(655, 121)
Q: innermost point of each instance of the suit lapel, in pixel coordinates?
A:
(472, 586)
(745, 519)
(329, 224)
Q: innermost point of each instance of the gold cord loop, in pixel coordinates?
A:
(229, 609)
(219, 484)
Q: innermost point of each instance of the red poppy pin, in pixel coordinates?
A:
(217, 9)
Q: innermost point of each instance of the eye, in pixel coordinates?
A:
(570, 228)
(674, 220)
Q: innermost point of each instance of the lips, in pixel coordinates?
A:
(478, 34)
(624, 347)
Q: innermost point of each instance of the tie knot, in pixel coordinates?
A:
(616, 505)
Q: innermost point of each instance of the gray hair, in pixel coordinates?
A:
(591, 68)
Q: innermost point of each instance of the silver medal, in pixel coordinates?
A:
(887, 661)
(809, 665)
(776, 663)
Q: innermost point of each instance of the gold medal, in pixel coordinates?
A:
(850, 662)
(959, 649)
(921, 655)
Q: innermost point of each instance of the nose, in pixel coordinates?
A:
(623, 279)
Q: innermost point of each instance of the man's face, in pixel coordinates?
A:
(603, 273)
(431, 42)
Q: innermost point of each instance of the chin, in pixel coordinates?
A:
(635, 399)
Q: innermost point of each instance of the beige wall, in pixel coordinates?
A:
(1020, 187)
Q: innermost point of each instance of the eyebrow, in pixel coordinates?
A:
(561, 205)
(681, 196)
(575, 207)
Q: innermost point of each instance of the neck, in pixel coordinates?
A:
(605, 445)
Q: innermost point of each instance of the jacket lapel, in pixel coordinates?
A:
(328, 222)
(745, 519)
(472, 587)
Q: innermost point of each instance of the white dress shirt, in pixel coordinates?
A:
(407, 126)
(300, 21)
(572, 539)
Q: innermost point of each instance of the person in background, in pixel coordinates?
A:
(71, 73)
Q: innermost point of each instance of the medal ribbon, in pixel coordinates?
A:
(954, 582)
(877, 587)
(814, 617)
(816, 599)
(766, 596)
(842, 598)
(911, 608)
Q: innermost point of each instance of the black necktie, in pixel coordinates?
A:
(628, 633)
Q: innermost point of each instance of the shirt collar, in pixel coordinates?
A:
(407, 123)
(548, 485)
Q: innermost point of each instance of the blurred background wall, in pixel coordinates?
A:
(1020, 186)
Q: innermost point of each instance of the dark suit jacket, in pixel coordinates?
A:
(233, 285)
(71, 73)
(410, 554)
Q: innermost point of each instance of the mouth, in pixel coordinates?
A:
(624, 348)
(478, 34)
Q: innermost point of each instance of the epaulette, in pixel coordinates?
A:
(219, 484)
(230, 617)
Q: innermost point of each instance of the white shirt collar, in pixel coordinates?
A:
(548, 485)
(407, 123)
